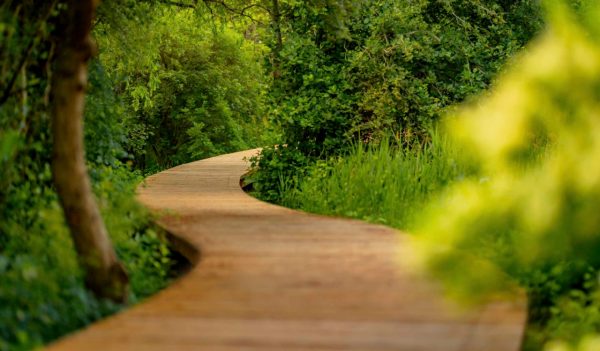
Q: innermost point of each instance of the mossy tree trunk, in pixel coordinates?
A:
(105, 275)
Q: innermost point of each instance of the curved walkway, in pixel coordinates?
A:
(269, 278)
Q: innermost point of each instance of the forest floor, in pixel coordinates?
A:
(270, 278)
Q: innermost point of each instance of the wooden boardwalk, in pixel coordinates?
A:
(269, 278)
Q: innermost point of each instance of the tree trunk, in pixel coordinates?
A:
(105, 275)
(276, 20)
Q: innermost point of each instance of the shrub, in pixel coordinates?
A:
(537, 136)
(400, 64)
(398, 67)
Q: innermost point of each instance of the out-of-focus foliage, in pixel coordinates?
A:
(589, 343)
(194, 89)
(537, 135)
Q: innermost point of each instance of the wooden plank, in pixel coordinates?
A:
(269, 278)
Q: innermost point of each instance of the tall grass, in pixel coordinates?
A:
(387, 183)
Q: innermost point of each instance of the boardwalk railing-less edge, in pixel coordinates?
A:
(270, 278)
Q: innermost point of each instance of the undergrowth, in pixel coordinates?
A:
(42, 293)
(386, 183)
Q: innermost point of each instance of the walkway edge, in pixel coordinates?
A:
(270, 278)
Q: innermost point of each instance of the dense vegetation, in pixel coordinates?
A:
(352, 93)
(383, 183)
(511, 178)
(392, 71)
(192, 90)
(168, 85)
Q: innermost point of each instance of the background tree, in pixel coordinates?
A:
(195, 88)
(350, 71)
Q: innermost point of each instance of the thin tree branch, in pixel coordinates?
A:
(239, 12)
(28, 51)
(233, 10)
(180, 4)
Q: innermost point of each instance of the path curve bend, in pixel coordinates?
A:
(270, 278)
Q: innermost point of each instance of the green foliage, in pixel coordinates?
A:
(420, 57)
(401, 64)
(139, 244)
(385, 184)
(105, 135)
(42, 294)
(537, 135)
(281, 169)
(193, 90)
(41, 285)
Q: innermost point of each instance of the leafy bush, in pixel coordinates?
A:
(537, 135)
(399, 65)
(396, 68)
(42, 293)
(282, 168)
(193, 90)
(419, 57)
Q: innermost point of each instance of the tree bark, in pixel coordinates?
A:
(276, 20)
(105, 275)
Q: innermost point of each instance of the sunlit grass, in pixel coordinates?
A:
(386, 183)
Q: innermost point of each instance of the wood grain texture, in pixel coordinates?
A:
(270, 278)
